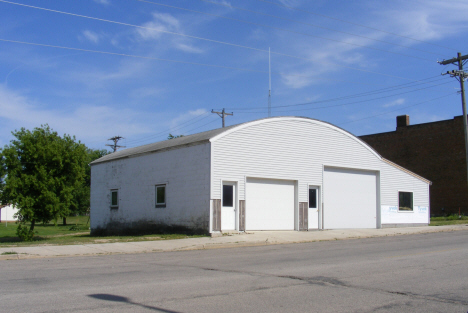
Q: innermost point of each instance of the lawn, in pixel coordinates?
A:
(75, 232)
(449, 220)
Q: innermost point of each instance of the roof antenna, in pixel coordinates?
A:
(269, 78)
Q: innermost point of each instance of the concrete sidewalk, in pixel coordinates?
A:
(259, 238)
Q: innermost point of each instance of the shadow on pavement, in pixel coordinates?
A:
(115, 298)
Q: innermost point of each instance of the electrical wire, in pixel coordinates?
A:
(196, 37)
(303, 23)
(399, 109)
(377, 91)
(352, 23)
(300, 33)
(167, 131)
(361, 101)
(174, 61)
(338, 105)
(138, 56)
(189, 131)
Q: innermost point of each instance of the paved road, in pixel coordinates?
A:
(414, 273)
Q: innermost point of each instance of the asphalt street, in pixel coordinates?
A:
(408, 273)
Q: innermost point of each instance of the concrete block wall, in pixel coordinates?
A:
(184, 171)
(435, 151)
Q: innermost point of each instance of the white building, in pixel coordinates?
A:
(281, 173)
(7, 213)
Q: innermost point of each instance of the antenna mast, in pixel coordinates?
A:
(269, 79)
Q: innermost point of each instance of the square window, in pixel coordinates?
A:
(405, 201)
(228, 195)
(312, 198)
(161, 196)
(114, 198)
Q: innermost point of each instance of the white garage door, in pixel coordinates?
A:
(350, 199)
(269, 204)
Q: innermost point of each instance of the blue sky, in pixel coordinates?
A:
(144, 69)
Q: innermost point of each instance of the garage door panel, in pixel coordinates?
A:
(350, 198)
(269, 204)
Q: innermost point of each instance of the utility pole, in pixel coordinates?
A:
(460, 75)
(115, 139)
(222, 114)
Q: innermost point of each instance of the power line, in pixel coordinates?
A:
(195, 37)
(399, 109)
(169, 60)
(138, 56)
(377, 91)
(180, 126)
(343, 104)
(352, 23)
(211, 122)
(301, 33)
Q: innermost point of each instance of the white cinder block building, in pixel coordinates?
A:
(7, 213)
(280, 173)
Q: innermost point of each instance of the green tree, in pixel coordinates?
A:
(82, 194)
(43, 172)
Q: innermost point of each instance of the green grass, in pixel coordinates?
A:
(75, 232)
(453, 219)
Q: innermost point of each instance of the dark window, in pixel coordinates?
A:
(161, 196)
(312, 198)
(114, 198)
(405, 201)
(228, 192)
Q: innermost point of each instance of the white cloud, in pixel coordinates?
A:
(394, 103)
(86, 122)
(184, 120)
(290, 3)
(426, 20)
(105, 2)
(162, 23)
(91, 36)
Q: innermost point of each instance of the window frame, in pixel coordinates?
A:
(232, 190)
(160, 205)
(114, 206)
(316, 188)
(412, 201)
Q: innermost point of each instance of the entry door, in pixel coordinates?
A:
(228, 208)
(314, 207)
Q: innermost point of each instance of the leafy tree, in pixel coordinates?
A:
(82, 194)
(43, 172)
(171, 136)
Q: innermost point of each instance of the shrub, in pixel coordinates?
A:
(24, 233)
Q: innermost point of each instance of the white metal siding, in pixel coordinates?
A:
(350, 197)
(292, 149)
(186, 173)
(270, 204)
(297, 149)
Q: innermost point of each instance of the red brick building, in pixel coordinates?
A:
(435, 151)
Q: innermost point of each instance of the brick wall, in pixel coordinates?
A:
(435, 151)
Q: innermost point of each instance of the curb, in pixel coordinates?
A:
(273, 238)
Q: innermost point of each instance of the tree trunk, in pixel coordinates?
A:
(33, 222)
(64, 220)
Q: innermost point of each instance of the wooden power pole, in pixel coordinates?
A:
(460, 75)
(222, 114)
(114, 146)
